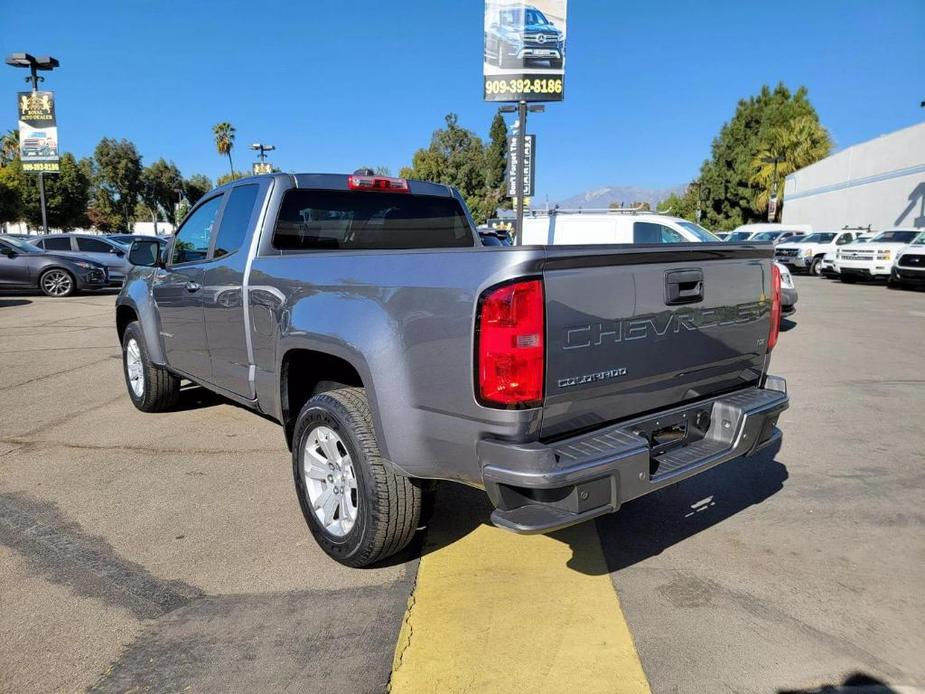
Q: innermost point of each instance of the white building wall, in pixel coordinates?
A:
(880, 182)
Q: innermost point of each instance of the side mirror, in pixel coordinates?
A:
(8, 252)
(146, 253)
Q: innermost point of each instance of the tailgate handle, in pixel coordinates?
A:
(683, 287)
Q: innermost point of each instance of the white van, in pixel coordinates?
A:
(569, 228)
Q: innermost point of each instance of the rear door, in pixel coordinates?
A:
(177, 293)
(636, 330)
(103, 252)
(223, 289)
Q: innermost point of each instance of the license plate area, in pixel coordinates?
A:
(669, 432)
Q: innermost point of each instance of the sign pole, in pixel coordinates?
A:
(42, 202)
(519, 174)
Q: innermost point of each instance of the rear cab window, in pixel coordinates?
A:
(314, 220)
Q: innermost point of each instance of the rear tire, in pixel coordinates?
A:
(152, 388)
(382, 510)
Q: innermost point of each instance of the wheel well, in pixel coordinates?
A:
(305, 373)
(124, 316)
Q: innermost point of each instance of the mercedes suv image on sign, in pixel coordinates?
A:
(524, 51)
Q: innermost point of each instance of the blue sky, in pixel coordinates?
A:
(336, 84)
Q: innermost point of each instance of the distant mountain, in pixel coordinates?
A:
(627, 195)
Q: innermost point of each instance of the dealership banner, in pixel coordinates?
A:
(261, 167)
(529, 165)
(524, 50)
(38, 132)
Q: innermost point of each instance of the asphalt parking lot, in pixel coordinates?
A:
(167, 552)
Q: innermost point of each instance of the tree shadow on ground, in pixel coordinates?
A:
(856, 683)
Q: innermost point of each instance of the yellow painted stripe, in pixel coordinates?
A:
(498, 612)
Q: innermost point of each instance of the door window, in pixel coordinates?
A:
(235, 220)
(650, 232)
(194, 237)
(62, 243)
(93, 245)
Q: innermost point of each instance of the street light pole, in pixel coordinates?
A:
(772, 211)
(34, 64)
(262, 150)
(519, 177)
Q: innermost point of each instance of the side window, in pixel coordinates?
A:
(62, 243)
(235, 220)
(194, 237)
(647, 232)
(40, 243)
(93, 245)
(844, 238)
(669, 235)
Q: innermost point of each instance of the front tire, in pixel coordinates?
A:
(816, 267)
(57, 283)
(357, 509)
(152, 388)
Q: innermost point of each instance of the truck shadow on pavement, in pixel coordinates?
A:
(640, 529)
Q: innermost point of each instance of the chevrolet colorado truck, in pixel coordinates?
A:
(363, 314)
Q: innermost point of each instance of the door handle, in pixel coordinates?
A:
(683, 287)
(192, 287)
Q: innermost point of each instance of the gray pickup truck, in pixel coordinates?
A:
(363, 314)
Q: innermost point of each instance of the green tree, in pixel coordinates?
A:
(495, 165)
(229, 177)
(66, 195)
(9, 147)
(729, 192)
(161, 185)
(10, 200)
(183, 209)
(195, 187)
(455, 157)
(799, 142)
(224, 142)
(118, 177)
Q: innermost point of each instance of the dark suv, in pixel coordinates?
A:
(518, 36)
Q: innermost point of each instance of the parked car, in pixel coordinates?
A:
(758, 227)
(721, 235)
(99, 249)
(873, 259)
(566, 227)
(909, 269)
(788, 291)
(808, 252)
(829, 266)
(395, 348)
(493, 238)
(129, 239)
(777, 237)
(518, 36)
(24, 266)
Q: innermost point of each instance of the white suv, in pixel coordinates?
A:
(909, 269)
(617, 226)
(873, 258)
(807, 252)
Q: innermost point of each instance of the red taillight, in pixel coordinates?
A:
(380, 183)
(775, 306)
(510, 358)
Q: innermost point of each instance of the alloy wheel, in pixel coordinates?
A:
(135, 368)
(57, 283)
(330, 481)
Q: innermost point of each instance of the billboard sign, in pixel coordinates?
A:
(524, 50)
(262, 167)
(529, 168)
(38, 132)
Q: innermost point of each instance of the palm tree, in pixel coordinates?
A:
(224, 141)
(9, 146)
(796, 144)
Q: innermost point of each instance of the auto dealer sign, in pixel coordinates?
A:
(524, 50)
(38, 132)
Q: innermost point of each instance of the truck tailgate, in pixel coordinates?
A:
(635, 329)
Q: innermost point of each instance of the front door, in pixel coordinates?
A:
(14, 266)
(177, 293)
